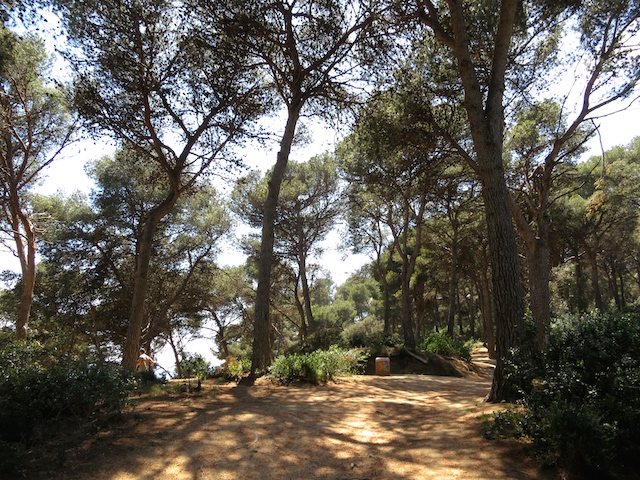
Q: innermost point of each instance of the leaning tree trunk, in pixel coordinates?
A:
(306, 294)
(302, 329)
(176, 356)
(27, 264)
(28, 285)
(486, 118)
(141, 280)
(261, 356)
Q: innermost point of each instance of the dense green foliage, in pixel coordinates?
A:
(178, 86)
(39, 388)
(581, 394)
(318, 366)
(442, 344)
(195, 366)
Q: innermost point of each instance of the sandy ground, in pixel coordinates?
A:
(362, 427)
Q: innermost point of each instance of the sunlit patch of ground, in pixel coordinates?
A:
(362, 427)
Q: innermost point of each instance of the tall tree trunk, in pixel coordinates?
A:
(595, 279)
(507, 289)
(144, 247)
(436, 311)
(28, 281)
(221, 335)
(386, 306)
(580, 298)
(486, 307)
(421, 311)
(389, 323)
(453, 281)
(176, 355)
(540, 298)
(459, 311)
(472, 312)
(306, 295)
(407, 311)
(536, 240)
(612, 277)
(486, 119)
(623, 301)
(302, 331)
(25, 240)
(261, 356)
(408, 267)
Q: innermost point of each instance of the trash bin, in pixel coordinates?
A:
(383, 366)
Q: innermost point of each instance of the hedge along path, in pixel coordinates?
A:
(361, 427)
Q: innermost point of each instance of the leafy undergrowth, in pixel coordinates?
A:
(318, 366)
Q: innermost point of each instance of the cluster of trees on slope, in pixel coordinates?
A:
(457, 132)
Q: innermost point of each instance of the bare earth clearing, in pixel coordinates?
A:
(363, 427)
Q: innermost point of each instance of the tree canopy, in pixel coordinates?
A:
(459, 170)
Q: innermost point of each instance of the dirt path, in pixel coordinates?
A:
(363, 427)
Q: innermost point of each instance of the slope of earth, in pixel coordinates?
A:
(362, 427)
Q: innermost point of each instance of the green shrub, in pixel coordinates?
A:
(236, 369)
(369, 333)
(36, 388)
(581, 393)
(317, 367)
(442, 344)
(322, 339)
(195, 366)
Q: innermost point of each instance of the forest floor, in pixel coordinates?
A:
(360, 427)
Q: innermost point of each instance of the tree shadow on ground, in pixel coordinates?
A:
(395, 427)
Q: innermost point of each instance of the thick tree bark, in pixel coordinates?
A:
(261, 356)
(507, 287)
(486, 118)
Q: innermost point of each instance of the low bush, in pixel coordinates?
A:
(322, 339)
(442, 344)
(317, 367)
(195, 366)
(37, 388)
(369, 333)
(581, 394)
(234, 369)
